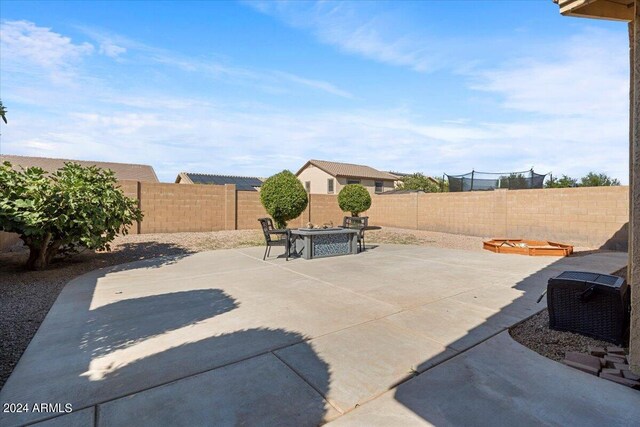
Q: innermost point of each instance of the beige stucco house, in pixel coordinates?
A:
(323, 177)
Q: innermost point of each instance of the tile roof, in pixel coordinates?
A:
(242, 183)
(130, 171)
(349, 170)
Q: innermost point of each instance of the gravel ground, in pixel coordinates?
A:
(27, 296)
(535, 334)
(424, 238)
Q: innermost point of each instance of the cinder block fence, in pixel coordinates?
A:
(590, 216)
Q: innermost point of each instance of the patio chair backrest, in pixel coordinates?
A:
(267, 226)
(355, 221)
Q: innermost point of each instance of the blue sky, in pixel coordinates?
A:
(256, 87)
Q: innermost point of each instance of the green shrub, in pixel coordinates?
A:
(284, 197)
(418, 181)
(593, 179)
(354, 198)
(75, 207)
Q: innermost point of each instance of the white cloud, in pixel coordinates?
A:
(260, 142)
(267, 80)
(315, 84)
(111, 49)
(592, 81)
(24, 45)
(343, 26)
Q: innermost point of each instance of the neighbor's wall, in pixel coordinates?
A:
(249, 210)
(394, 210)
(595, 217)
(171, 208)
(471, 213)
(324, 209)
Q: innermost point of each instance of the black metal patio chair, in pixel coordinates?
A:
(358, 223)
(274, 237)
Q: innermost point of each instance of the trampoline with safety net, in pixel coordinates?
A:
(486, 181)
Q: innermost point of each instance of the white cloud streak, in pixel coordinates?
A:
(268, 80)
(341, 25)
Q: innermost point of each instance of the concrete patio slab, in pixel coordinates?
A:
(390, 354)
(509, 301)
(82, 418)
(454, 324)
(258, 391)
(368, 318)
(500, 382)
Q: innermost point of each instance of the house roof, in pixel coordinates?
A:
(123, 171)
(400, 176)
(242, 183)
(397, 191)
(617, 10)
(349, 170)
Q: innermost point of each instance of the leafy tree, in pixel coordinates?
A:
(418, 181)
(3, 113)
(443, 185)
(284, 197)
(514, 181)
(354, 198)
(563, 182)
(593, 179)
(75, 207)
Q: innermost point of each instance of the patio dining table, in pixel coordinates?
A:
(324, 242)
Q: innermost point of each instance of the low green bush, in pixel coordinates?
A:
(74, 207)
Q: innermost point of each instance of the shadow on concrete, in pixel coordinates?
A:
(158, 254)
(619, 241)
(27, 296)
(109, 327)
(476, 401)
(142, 344)
(253, 391)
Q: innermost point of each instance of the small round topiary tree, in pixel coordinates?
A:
(284, 197)
(354, 198)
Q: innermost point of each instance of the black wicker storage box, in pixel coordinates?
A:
(591, 304)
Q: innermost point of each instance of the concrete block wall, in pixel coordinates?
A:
(171, 208)
(324, 209)
(476, 213)
(594, 217)
(129, 188)
(394, 210)
(249, 210)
